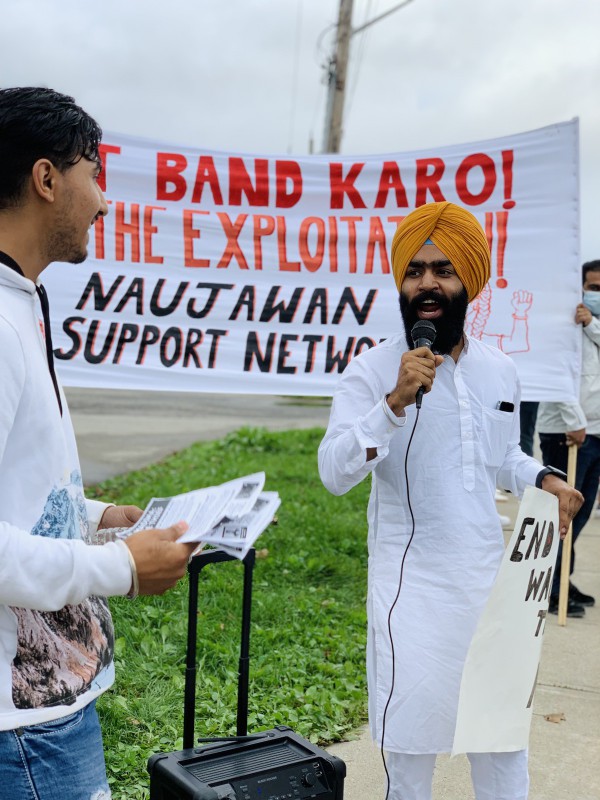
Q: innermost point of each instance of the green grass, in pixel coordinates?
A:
(308, 616)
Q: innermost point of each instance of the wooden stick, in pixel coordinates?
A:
(565, 565)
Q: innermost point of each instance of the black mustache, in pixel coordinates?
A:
(437, 297)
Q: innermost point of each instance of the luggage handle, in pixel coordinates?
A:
(197, 563)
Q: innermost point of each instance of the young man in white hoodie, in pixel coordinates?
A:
(56, 635)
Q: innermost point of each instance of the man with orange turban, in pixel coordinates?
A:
(435, 540)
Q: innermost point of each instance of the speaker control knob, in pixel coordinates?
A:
(308, 779)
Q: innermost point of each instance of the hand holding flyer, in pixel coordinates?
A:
(230, 516)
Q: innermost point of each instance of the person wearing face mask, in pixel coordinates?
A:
(563, 424)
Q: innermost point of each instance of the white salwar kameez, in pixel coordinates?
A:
(462, 448)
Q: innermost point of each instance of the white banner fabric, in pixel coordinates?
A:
(498, 682)
(224, 272)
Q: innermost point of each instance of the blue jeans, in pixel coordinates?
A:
(60, 760)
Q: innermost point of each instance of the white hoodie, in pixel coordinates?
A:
(56, 634)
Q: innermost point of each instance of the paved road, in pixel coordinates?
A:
(118, 431)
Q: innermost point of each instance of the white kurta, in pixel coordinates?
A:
(462, 448)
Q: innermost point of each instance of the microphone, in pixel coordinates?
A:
(423, 335)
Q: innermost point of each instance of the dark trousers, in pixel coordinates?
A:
(554, 452)
(528, 412)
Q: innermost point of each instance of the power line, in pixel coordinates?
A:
(337, 68)
(295, 71)
(359, 58)
(323, 59)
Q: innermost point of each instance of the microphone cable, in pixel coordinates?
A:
(412, 516)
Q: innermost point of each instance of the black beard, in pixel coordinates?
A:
(449, 327)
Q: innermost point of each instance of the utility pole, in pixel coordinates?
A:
(337, 69)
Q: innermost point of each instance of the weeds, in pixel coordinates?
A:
(308, 618)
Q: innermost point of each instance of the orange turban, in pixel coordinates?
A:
(457, 234)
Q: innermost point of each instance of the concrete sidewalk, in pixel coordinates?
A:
(120, 431)
(564, 756)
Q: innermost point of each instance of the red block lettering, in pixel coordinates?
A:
(264, 225)
(170, 183)
(487, 166)
(123, 229)
(376, 239)
(351, 240)
(284, 264)
(232, 248)
(104, 150)
(287, 171)
(149, 231)
(312, 262)
(207, 173)
(189, 234)
(341, 186)
(428, 182)
(240, 182)
(390, 179)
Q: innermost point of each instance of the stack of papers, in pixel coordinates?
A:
(230, 516)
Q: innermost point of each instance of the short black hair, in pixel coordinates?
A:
(35, 123)
(589, 266)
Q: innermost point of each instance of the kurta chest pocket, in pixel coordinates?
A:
(494, 435)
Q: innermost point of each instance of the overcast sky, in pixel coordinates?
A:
(247, 75)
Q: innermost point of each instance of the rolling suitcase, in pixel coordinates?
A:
(277, 764)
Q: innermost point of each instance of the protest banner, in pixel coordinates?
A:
(498, 682)
(266, 274)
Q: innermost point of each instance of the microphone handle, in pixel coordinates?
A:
(423, 342)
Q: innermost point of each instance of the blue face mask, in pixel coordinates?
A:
(591, 300)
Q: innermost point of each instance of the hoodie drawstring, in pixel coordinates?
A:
(41, 293)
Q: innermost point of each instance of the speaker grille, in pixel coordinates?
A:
(240, 764)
